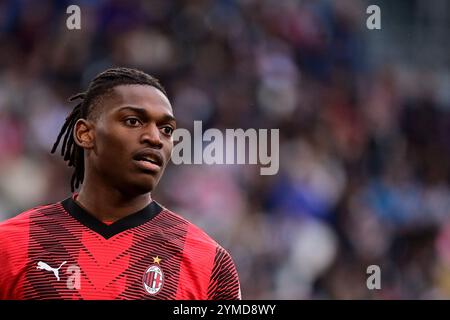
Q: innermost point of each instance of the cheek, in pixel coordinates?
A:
(111, 147)
(168, 151)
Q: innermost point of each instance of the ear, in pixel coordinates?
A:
(83, 134)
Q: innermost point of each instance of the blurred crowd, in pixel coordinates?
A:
(364, 152)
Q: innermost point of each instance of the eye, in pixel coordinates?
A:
(167, 130)
(132, 122)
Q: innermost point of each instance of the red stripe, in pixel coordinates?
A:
(195, 271)
(16, 234)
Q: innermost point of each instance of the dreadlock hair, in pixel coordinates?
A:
(102, 84)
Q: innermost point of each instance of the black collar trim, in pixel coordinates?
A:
(107, 231)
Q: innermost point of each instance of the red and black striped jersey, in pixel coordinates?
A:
(60, 251)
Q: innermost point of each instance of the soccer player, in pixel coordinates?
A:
(111, 240)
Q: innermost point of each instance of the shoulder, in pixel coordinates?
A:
(197, 239)
(194, 235)
(14, 242)
(18, 225)
(205, 265)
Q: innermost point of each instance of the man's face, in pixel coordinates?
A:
(132, 138)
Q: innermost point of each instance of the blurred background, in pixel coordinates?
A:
(364, 119)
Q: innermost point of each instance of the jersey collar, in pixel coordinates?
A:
(107, 231)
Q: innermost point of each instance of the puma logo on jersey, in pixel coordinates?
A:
(44, 266)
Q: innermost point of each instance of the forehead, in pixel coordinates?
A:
(143, 96)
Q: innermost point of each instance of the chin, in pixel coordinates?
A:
(144, 186)
(137, 190)
(147, 186)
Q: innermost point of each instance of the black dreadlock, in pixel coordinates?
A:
(102, 84)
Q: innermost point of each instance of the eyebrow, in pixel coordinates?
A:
(143, 113)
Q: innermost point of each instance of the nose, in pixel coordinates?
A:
(152, 136)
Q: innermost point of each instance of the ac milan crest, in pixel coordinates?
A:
(153, 279)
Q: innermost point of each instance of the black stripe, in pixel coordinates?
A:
(107, 231)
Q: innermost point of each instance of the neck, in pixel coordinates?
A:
(109, 204)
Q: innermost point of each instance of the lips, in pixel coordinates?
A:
(149, 160)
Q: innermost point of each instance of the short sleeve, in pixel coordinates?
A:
(224, 281)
